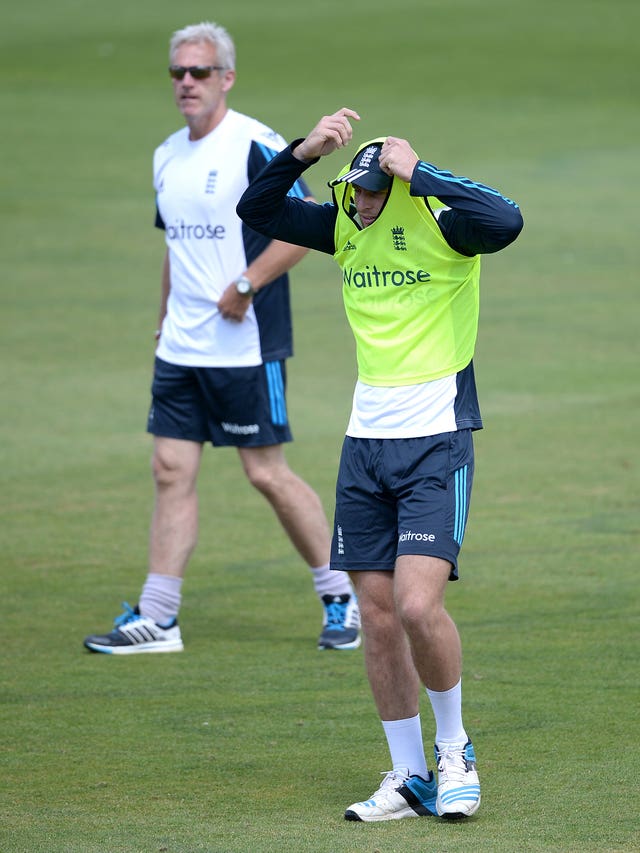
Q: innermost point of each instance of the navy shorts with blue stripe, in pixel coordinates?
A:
(228, 406)
(402, 496)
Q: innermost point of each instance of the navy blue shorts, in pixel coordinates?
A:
(228, 406)
(402, 496)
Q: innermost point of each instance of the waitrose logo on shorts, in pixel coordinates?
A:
(410, 536)
(240, 429)
(374, 277)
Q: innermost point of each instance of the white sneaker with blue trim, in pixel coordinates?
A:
(458, 783)
(399, 796)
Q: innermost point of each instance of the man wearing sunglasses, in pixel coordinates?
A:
(224, 334)
(408, 239)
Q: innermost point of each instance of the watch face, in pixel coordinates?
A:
(243, 286)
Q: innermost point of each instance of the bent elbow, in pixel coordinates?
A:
(243, 209)
(248, 213)
(513, 225)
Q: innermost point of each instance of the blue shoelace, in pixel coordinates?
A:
(336, 614)
(128, 616)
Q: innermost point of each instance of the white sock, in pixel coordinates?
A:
(447, 709)
(160, 598)
(328, 582)
(406, 746)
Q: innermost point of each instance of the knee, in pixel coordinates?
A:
(260, 478)
(419, 615)
(378, 615)
(160, 470)
(269, 480)
(165, 469)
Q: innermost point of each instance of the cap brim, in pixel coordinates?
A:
(373, 181)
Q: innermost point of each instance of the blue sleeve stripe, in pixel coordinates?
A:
(460, 484)
(276, 393)
(296, 190)
(267, 153)
(440, 175)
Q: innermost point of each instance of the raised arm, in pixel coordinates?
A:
(480, 219)
(265, 205)
(331, 132)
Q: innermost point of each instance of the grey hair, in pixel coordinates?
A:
(210, 33)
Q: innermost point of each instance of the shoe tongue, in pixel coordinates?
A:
(398, 774)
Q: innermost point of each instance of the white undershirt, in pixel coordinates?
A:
(404, 411)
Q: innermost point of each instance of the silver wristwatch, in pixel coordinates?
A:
(244, 286)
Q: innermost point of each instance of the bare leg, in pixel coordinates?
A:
(296, 505)
(409, 637)
(420, 584)
(392, 675)
(174, 524)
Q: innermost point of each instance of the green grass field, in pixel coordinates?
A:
(251, 740)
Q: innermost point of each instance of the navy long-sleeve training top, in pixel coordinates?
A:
(480, 220)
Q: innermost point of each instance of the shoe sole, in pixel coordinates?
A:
(344, 647)
(136, 650)
(459, 815)
(351, 815)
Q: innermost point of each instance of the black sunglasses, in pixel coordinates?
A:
(198, 72)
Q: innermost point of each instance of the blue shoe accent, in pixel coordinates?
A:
(421, 794)
(468, 793)
(341, 628)
(335, 607)
(130, 613)
(470, 756)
